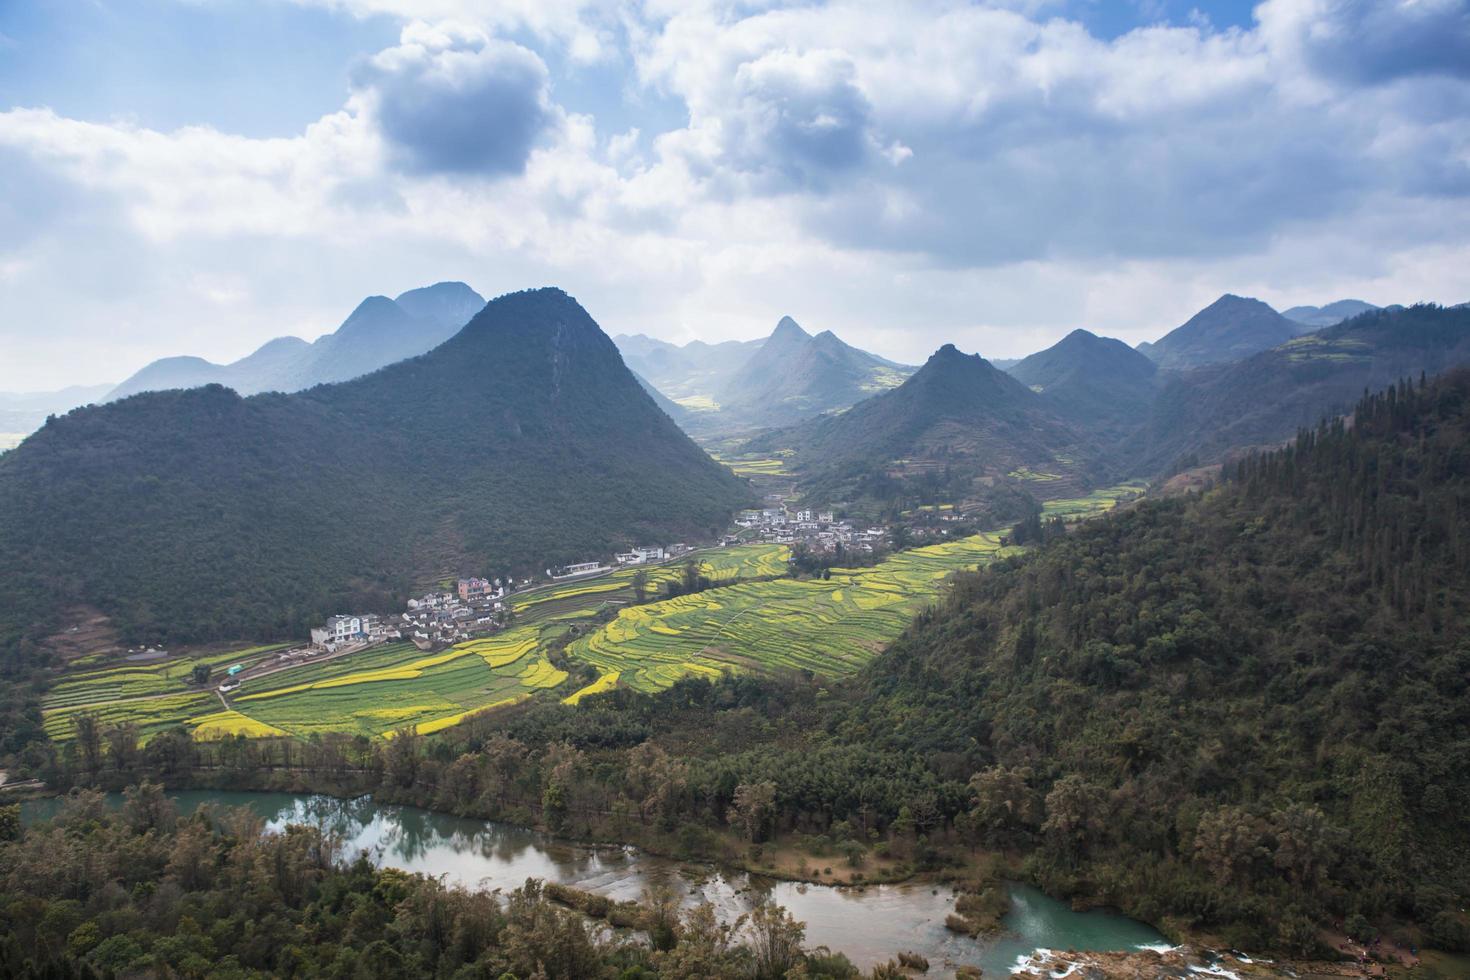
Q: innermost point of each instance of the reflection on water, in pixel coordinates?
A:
(870, 926)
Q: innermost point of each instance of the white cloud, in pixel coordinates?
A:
(906, 175)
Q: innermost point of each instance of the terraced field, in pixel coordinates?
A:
(748, 561)
(1097, 502)
(829, 627)
(761, 622)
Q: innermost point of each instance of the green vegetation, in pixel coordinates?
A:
(521, 442)
(830, 626)
(138, 891)
(1247, 711)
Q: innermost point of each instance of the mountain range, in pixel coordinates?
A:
(957, 420)
(745, 385)
(379, 332)
(1264, 399)
(522, 441)
(1329, 315)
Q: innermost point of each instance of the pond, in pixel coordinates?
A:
(870, 926)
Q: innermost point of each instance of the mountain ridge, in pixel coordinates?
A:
(522, 441)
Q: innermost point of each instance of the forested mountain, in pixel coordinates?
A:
(520, 442)
(957, 413)
(1266, 398)
(379, 332)
(748, 385)
(1247, 710)
(1228, 329)
(1099, 384)
(1330, 315)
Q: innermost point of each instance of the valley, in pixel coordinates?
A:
(754, 617)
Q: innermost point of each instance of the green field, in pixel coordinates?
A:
(830, 627)
(1094, 503)
(761, 622)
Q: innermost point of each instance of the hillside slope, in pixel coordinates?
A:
(1200, 416)
(1247, 710)
(957, 413)
(380, 331)
(1099, 384)
(795, 375)
(187, 515)
(1229, 329)
(741, 386)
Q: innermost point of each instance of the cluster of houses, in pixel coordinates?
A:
(475, 606)
(819, 531)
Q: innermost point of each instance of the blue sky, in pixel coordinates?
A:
(198, 176)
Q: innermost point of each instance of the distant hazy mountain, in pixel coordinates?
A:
(1099, 384)
(22, 412)
(520, 442)
(753, 384)
(1266, 398)
(379, 332)
(1317, 317)
(1231, 328)
(795, 375)
(957, 413)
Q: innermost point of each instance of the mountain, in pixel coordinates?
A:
(746, 385)
(694, 371)
(1099, 384)
(796, 375)
(22, 412)
(1317, 317)
(521, 442)
(956, 414)
(1231, 328)
(1266, 398)
(1248, 708)
(380, 331)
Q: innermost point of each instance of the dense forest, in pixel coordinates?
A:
(521, 443)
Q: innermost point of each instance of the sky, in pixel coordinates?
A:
(200, 176)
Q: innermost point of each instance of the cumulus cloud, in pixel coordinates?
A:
(451, 100)
(989, 174)
(1374, 41)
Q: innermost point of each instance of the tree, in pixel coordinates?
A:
(752, 808)
(201, 673)
(1074, 815)
(89, 740)
(122, 745)
(1229, 842)
(776, 938)
(1005, 804)
(640, 586)
(146, 807)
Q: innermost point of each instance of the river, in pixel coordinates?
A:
(870, 926)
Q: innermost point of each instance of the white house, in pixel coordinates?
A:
(339, 629)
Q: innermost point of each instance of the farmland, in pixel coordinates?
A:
(829, 627)
(760, 620)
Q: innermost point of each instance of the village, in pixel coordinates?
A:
(477, 606)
